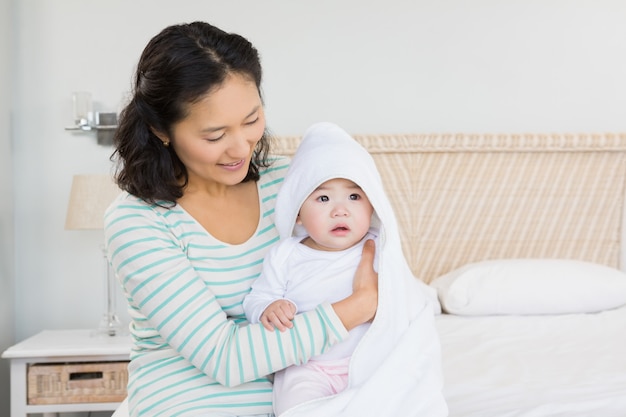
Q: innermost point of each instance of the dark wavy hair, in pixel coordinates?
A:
(178, 67)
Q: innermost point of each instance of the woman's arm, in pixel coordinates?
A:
(172, 307)
(360, 307)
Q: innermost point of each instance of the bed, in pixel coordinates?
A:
(515, 366)
(527, 231)
(521, 238)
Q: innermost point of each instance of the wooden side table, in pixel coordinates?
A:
(66, 347)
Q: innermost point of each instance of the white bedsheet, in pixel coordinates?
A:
(531, 366)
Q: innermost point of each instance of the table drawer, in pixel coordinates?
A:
(69, 383)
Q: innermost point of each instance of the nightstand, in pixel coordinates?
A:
(71, 360)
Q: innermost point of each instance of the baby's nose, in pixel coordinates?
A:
(339, 211)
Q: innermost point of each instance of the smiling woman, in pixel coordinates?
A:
(188, 236)
(215, 143)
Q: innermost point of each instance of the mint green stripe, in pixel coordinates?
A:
(146, 253)
(311, 335)
(167, 375)
(228, 355)
(269, 197)
(233, 281)
(218, 359)
(234, 268)
(179, 222)
(175, 313)
(269, 213)
(120, 218)
(134, 228)
(186, 390)
(202, 325)
(174, 211)
(206, 247)
(151, 278)
(274, 182)
(237, 404)
(251, 344)
(147, 267)
(322, 313)
(249, 252)
(167, 301)
(154, 366)
(209, 356)
(279, 339)
(274, 168)
(294, 345)
(187, 234)
(239, 357)
(134, 242)
(165, 388)
(266, 348)
(267, 229)
(203, 344)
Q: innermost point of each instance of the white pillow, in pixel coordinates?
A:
(530, 286)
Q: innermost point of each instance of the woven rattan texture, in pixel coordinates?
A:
(465, 198)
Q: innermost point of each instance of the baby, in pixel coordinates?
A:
(331, 204)
(302, 272)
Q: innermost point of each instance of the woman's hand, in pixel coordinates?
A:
(278, 314)
(361, 306)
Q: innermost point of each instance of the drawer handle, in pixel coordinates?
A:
(82, 376)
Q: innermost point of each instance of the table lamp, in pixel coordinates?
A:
(89, 197)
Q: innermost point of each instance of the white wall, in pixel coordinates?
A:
(7, 317)
(374, 67)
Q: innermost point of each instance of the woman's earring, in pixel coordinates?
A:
(166, 143)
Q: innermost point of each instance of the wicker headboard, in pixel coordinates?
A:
(464, 198)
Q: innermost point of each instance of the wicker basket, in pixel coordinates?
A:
(93, 382)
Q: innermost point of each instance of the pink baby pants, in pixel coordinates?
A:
(314, 379)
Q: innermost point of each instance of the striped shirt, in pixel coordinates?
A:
(194, 354)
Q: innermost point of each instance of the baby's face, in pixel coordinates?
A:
(336, 215)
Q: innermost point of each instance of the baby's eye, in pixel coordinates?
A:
(355, 196)
(323, 198)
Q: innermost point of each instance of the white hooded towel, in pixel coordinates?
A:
(395, 370)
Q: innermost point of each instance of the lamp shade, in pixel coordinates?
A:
(89, 198)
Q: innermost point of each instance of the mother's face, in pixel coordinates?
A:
(217, 139)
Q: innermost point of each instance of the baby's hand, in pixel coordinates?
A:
(278, 314)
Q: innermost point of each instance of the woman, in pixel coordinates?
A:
(188, 238)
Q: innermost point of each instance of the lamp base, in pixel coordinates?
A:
(110, 325)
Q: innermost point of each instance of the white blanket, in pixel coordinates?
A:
(395, 370)
(571, 365)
